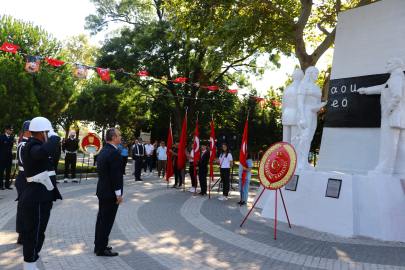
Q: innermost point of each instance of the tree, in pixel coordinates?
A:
(148, 45)
(283, 25)
(46, 93)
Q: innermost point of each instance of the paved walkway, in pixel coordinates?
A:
(160, 228)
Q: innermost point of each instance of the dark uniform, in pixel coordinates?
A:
(6, 158)
(20, 183)
(56, 156)
(138, 154)
(70, 146)
(36, 200)
(178, 179)
(203, 170)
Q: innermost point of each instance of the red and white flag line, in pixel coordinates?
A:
(104, 74)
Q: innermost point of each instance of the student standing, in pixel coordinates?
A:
(225, 164)
(245, 189)
(149, 149)
(190, 156)
(178, 180)
(202, 168)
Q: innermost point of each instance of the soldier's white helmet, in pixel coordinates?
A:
(40, 124)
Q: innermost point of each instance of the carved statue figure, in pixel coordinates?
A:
(309, 103)
(392, 139)
(289, 109)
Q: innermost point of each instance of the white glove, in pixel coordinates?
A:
(51, 133)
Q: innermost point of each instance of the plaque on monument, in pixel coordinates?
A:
(333, 188)
(292, 184)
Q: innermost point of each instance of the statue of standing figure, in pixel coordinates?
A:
(392, 139)
(308, 103)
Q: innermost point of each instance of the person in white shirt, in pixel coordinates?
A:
(225, 164)
(148, 157)
(190, 156)
(162, 158)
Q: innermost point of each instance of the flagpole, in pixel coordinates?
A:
(209, 181)
(184, 169)
(241, 193)
(195, 174)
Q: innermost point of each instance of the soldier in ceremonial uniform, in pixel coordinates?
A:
(37, 198)
(138, 154)
(6, 158)
(70, 147)
(21, 180)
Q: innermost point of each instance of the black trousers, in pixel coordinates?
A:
(55, 162)
(107, 210)
(191, 172)
(202, 175)
(124, 163)
(5, 163)
(178, 179)
(225, 172)
(138, 168)
(70, 159)
(36, 217)
(148, 162)
(20, 227)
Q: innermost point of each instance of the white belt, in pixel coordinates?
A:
(71, 152)
(21, 169)
(43, 178)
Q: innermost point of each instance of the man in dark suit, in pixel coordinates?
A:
(6, 158)
(138, 154)
(203, 168)
(109, 191)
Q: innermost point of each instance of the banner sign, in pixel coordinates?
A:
(81, 71)
(32, 65)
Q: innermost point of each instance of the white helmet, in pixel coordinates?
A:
(40, 124)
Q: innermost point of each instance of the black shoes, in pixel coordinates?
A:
(108, 248)
(241, 203)
(202, 194)
(20, 239)
(107, 253)
(2, 188)
(9, 188)
(138, 179)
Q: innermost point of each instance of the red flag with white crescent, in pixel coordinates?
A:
(181, 158)
(180, 80)
(104, 74)
(233, 91)
(212, 149)
(9, 47)
(243, 152)
(54, 63)
(212, 88)
(169, 169)
(196, 148)
(142, 73)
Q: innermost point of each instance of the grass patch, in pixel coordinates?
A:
(90, 169)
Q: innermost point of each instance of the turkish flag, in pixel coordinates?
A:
(233, 91)
(275, 103)
(196, 148)
(142, 73)
(180, 80)
(54, 63)
(212, 150)
(212, 88)
(9, 47)
(261, 101)
(181, 158)
(243, 152)
(104, 74)
(169, 169)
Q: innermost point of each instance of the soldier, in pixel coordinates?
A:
(70, 147)
(138, 155)
(37, 198)
(6, 158)
(21, 181)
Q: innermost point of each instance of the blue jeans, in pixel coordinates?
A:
(245, 190)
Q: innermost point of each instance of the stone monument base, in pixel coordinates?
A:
(367, 206)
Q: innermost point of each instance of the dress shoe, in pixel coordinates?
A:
(107, 253)
(75, 181)
(108, 248)
(9, 188)
(202, 194)
(138, 179)
(20, 239)
(2, 188)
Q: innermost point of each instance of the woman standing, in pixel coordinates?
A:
(244, 190)
(124, 149)
(225, 163)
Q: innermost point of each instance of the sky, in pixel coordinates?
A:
(67, 18)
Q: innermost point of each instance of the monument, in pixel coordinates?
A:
(358, 188)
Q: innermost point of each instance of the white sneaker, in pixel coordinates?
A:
(65, 180)
(30, 266)
(150, 173)
(221, 198)
(192, 190)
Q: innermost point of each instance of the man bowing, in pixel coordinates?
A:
(109, 191)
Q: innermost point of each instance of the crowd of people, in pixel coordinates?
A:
(38, 154)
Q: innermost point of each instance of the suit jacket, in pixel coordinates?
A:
(203, 161)
(109, 168)
(6, 146)
(138, 150)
